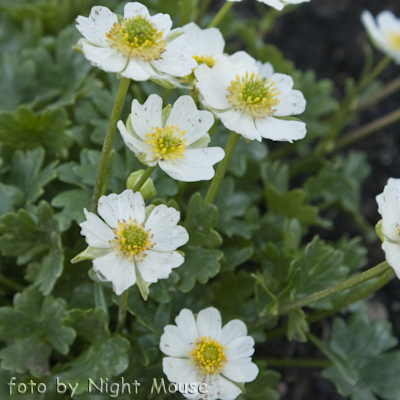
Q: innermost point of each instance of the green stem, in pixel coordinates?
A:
(366, 130)
(373, 74)
(386, 91)
(123, 304)
(11, 284)
(108, 141)
(221, 14)
(203, 10)
(143, 178)
(267, 23)
(354, 281)
(222, 166)
(353, 297)
(290, 362)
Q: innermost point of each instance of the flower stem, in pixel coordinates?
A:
(288, 362)
(221, 14)
(143, 178)
(354, 281)
(373, 74)
(366, 130)
(108, 141)
(221, 169)
(353, 297)
(123, 304)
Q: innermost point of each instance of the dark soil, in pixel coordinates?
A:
(328, 37)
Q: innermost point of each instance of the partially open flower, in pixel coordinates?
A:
(384, 32)
(389, 226)
(176, 139)
(130, 246)
(139, 46)
(248, 102)
(203, 354)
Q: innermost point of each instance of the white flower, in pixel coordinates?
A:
(248, 102)
(384, 32)
(130, 247)
(389, 208)
(201, 352)
(278, 4)
(139, 47)
(175, 139)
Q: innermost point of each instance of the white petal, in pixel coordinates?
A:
(209, 322)
(240, 348)
(372, 28)
(174, 344)
(194, 122)
(158, 265)
(232, 330)
(167, 235)
(219, 387)
(241, 123)
(96, 232)
(117, 269)
(240, 370)
(207, 41)
(105, 58)
(213, 84)
(242, 57)
(279, 129)
(388, 207)
(266, 70)
(146, 116)
(94, 28)
(292, 103)
(137, 146)
(134, 8)
(196, 164)
(392, 254)
(387, 21)
(283, 83)
(179, 370)
(137, 69)
(273, 3)
(186, 322)
(178, 58)
(114, 208)
(163, 23)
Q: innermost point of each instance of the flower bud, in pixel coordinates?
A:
(147, 190)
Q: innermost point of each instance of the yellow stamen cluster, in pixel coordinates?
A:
(394, 39)
(254, 95)
(131, 238)
(167, 142)
(209, 60)
(137, 36)
(209, 356)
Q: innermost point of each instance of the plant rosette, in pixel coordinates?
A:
(250, 103)
(384, 32)
(200, 351)
(175, 138)
(134, 243)
(278, 4)
(388, 227)
(138, 46)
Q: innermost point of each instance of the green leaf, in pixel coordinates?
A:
(23, 129)
(34, 324)
(361, 343)
(236, 252)
(27, 172)
(10, 197)
(297, 326)
(275, 174)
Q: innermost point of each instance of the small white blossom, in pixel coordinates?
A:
(139, 47)
(278, 4)
(384, 32)
(248, 102)
(129, 247)
(202, 352)
(176, 139)
(389, 208)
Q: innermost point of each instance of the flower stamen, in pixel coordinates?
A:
(394, 39)
(137, 36)
(209, 60)
(254, 95)
(209, 356)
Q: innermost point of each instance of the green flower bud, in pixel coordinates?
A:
(147, 190)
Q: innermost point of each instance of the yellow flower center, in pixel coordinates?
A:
(167, 142)
(209, 60)
(254, 95)
(209, 356)
(394, 39)
(137, 36)
(131, 239)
